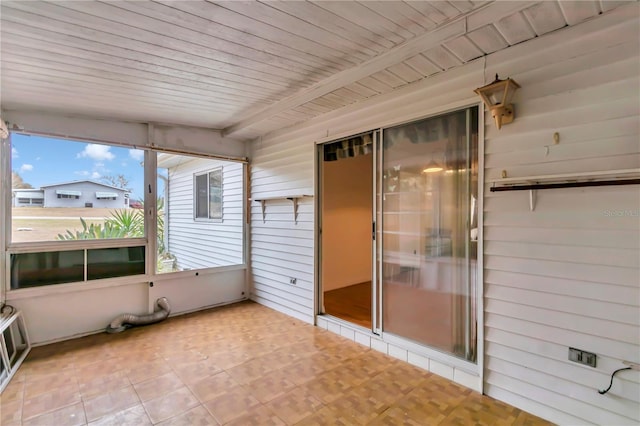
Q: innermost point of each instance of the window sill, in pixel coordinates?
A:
(207, 220)
(47, 290)
(199, 272)
(54, 289)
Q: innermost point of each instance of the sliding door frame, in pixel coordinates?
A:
(476, 368)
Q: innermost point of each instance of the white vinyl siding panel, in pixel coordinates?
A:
(282, 249)
(564, 275)
(203, 244)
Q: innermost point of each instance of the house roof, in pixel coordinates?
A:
(26, 190)
(83, 181)
(249, 68)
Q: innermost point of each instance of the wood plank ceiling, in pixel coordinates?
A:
(247, 67)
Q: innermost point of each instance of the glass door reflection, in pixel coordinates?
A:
(428, 190)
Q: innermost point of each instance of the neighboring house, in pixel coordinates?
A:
(203, 211)
(85, 193)
(27, 197)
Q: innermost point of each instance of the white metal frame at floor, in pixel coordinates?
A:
(13, 330)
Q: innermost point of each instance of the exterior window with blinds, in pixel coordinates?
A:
(208, 190)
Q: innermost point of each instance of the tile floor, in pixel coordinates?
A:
(242, 364)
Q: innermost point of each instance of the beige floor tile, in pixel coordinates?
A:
(140, 373)
(102, 368)
(295, 405)
(195, 371)
(171, 404)
(231, 358)
(328, 387)
(43, 384)
(397, 416)
(198, 416)
(134, 416)
(474, 410)
(47, 402)
(158, 386)
(110, 403)
(356, 409)
(13, 392)
(327, 417)
(251, 370)
(234, 403)
(215, 367)
(305, 370)
(72, 415)
(257, 416)
(213, 386)
(11, 412)
(91, 386)
(270, 386)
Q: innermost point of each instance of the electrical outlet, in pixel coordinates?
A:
(582, 357)
(633, 365)
(293, 281)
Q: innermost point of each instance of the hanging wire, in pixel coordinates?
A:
(602, 392)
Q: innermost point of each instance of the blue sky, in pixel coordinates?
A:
(45, 161)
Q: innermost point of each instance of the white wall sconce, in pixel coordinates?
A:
(497, 97)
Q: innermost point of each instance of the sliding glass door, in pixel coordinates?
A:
(426, 196)
(398, 231)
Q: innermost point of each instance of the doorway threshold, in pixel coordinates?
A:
(445, 366)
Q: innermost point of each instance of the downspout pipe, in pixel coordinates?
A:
(124, 321)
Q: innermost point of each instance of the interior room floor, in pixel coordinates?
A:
(242, 364)
(351, 303)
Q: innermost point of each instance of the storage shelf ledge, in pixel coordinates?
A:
(293, 198)
(567, 180)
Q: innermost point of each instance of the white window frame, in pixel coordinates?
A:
(150, 193)
(11, 247)
(207, 173)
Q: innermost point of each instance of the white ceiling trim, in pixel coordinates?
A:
(459, 27)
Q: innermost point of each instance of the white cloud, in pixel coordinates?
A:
(95, 175)
(82, 173)
(97, 152)
(136, 154)
(98, 165)
(26, 168)
(14, 153)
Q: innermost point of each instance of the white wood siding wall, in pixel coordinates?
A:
(282, 249)
(566, 274)
(203, 243)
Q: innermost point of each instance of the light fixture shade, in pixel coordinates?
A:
(432, 167)
(497, 97)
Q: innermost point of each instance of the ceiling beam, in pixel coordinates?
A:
(471, 21)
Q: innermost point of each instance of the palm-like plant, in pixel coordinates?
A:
(131, 222)
(92, 232)
(124, 223)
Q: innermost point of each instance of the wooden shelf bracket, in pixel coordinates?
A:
(293, 198)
